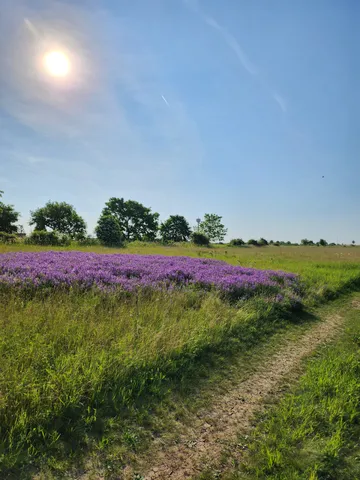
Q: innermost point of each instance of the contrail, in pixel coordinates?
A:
(31, 27)
(167, 103)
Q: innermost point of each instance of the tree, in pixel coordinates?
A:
(175, 229)
(136, 221)
(323, 242)
(252, 242)
(262, 242)
(108, 231)
(305, 241)
(212, 227)
(353, 242)
(200, 239)
(59, 216)
(237, 242)
(8, 216)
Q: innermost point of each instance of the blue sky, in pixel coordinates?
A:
(233, 107)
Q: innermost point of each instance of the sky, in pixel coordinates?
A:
(246, 109)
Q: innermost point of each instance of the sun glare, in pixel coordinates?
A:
(57, 64)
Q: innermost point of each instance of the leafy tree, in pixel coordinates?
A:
(237, 242)
(323, 242)
(136, 221)
(353, 242)
(200, 239)
(8, 216)
(175, 229)
(108, 231)
(59, 216)
(305, 241)
(262, 242)
(252, 242)
(212, 227)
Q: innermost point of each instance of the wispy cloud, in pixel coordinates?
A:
(233, 44)
(107, 111)
(280, 101)
(167, 103)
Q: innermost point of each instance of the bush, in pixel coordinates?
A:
(237, 242)
(108, 231)
(262, 242)
(42, 237)
(7, 237)
(88, 242)
(200, 239)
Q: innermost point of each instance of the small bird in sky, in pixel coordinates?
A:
(323, 176)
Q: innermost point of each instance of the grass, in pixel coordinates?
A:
(81, 372)
(313, 432)
(327, 271)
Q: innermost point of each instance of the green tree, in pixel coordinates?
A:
(108, 231)
(305, 241)
(8, 216)
(237, 242)
(136, 221)
(199, 238)
(252, 242)
(323, 242)
(262, 242)
(176, 229)
(59, 216)
(212, 227)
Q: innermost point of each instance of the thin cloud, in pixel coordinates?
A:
(167, 103)
(233, 44)
(31, 27)
(280, 101)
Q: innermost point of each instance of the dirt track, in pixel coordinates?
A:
(231, 413)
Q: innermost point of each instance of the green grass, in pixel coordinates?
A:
(327, 271)
(313, 432)
(82, 372)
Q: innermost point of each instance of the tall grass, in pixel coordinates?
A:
(313, 433)
(75, 365)
(71, 362)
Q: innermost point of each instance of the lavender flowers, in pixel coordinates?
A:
(130, 272)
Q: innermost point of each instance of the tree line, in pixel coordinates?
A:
(120, 221)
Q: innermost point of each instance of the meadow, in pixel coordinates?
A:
(80, 359)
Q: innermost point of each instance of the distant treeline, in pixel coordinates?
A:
(121, 221)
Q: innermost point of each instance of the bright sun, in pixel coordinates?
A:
(57, 64)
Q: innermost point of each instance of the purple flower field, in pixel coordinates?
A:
(130, 272)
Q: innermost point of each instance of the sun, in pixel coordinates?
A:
(57, 64)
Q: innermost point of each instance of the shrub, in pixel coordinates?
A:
(108, 231)
(262, 242)
(237, 242)
(200, 239)
(42, 237)
(7, 237)
(88, 242)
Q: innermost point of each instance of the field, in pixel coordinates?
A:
(85, 365)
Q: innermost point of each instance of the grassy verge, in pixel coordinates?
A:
(313, 432)
(82, 372)
(74, 365)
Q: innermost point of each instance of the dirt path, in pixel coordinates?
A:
(203, 443)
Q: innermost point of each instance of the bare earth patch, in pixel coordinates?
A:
(356, 304)
(201, 445)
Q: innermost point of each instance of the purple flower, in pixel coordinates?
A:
(130, 272)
